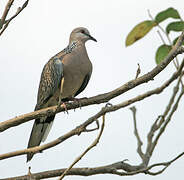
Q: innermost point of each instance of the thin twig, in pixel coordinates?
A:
(160, 120)
(162, 39)
(138, 71)
(136, 133)
(5, 13)
(166, 164)
(19, 10)
(162, 129)
(95, 142)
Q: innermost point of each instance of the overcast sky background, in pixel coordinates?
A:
(41, 31)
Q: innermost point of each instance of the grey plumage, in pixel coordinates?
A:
(72, 65)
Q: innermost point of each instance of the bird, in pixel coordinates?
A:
(63, 77)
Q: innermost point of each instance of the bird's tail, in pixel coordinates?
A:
(39, 133)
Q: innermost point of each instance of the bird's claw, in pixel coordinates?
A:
(78, 100)
(64, 106)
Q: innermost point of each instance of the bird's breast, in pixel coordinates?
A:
(75, 70)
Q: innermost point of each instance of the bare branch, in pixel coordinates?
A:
(162, 129)
(86, 171)
(77, 131)
(6, 10)
(162, 39)
(166, 164)
(160, 120)
(139, 142)
(19, 10)
(95, 142)
(115, 168)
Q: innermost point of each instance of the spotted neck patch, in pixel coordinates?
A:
(70, 47)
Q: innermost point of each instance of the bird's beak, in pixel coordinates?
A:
(92, 38)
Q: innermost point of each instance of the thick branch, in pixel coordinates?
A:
(115, 168)
(86, 171)
(99, 98)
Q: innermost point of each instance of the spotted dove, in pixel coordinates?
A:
(63, 77)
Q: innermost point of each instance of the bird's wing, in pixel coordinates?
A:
(50, 80)
(84, 84)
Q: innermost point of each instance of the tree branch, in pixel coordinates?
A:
(160, 120)
(139, 142)
(19, 10)
(95, 142)
(76, 131)
(102, 98)
(5, 13)
(166, 164)
(162, 129)
(115, 168)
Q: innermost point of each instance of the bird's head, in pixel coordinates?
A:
(81, 34)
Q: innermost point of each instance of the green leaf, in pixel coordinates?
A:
(139, 31)
(175, 26)
(162, 52)
(168, 13)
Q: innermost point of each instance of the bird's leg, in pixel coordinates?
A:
(60, 97)
(60, 102)
(77, 100)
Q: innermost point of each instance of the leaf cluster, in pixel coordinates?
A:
(143, 28)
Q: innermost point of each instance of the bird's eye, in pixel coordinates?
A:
(83, 31)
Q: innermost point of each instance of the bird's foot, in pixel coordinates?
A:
(64, 106)
(77, 100)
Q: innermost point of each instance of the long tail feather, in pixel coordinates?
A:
(39, 133)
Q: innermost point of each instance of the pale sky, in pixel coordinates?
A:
(41, 31)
